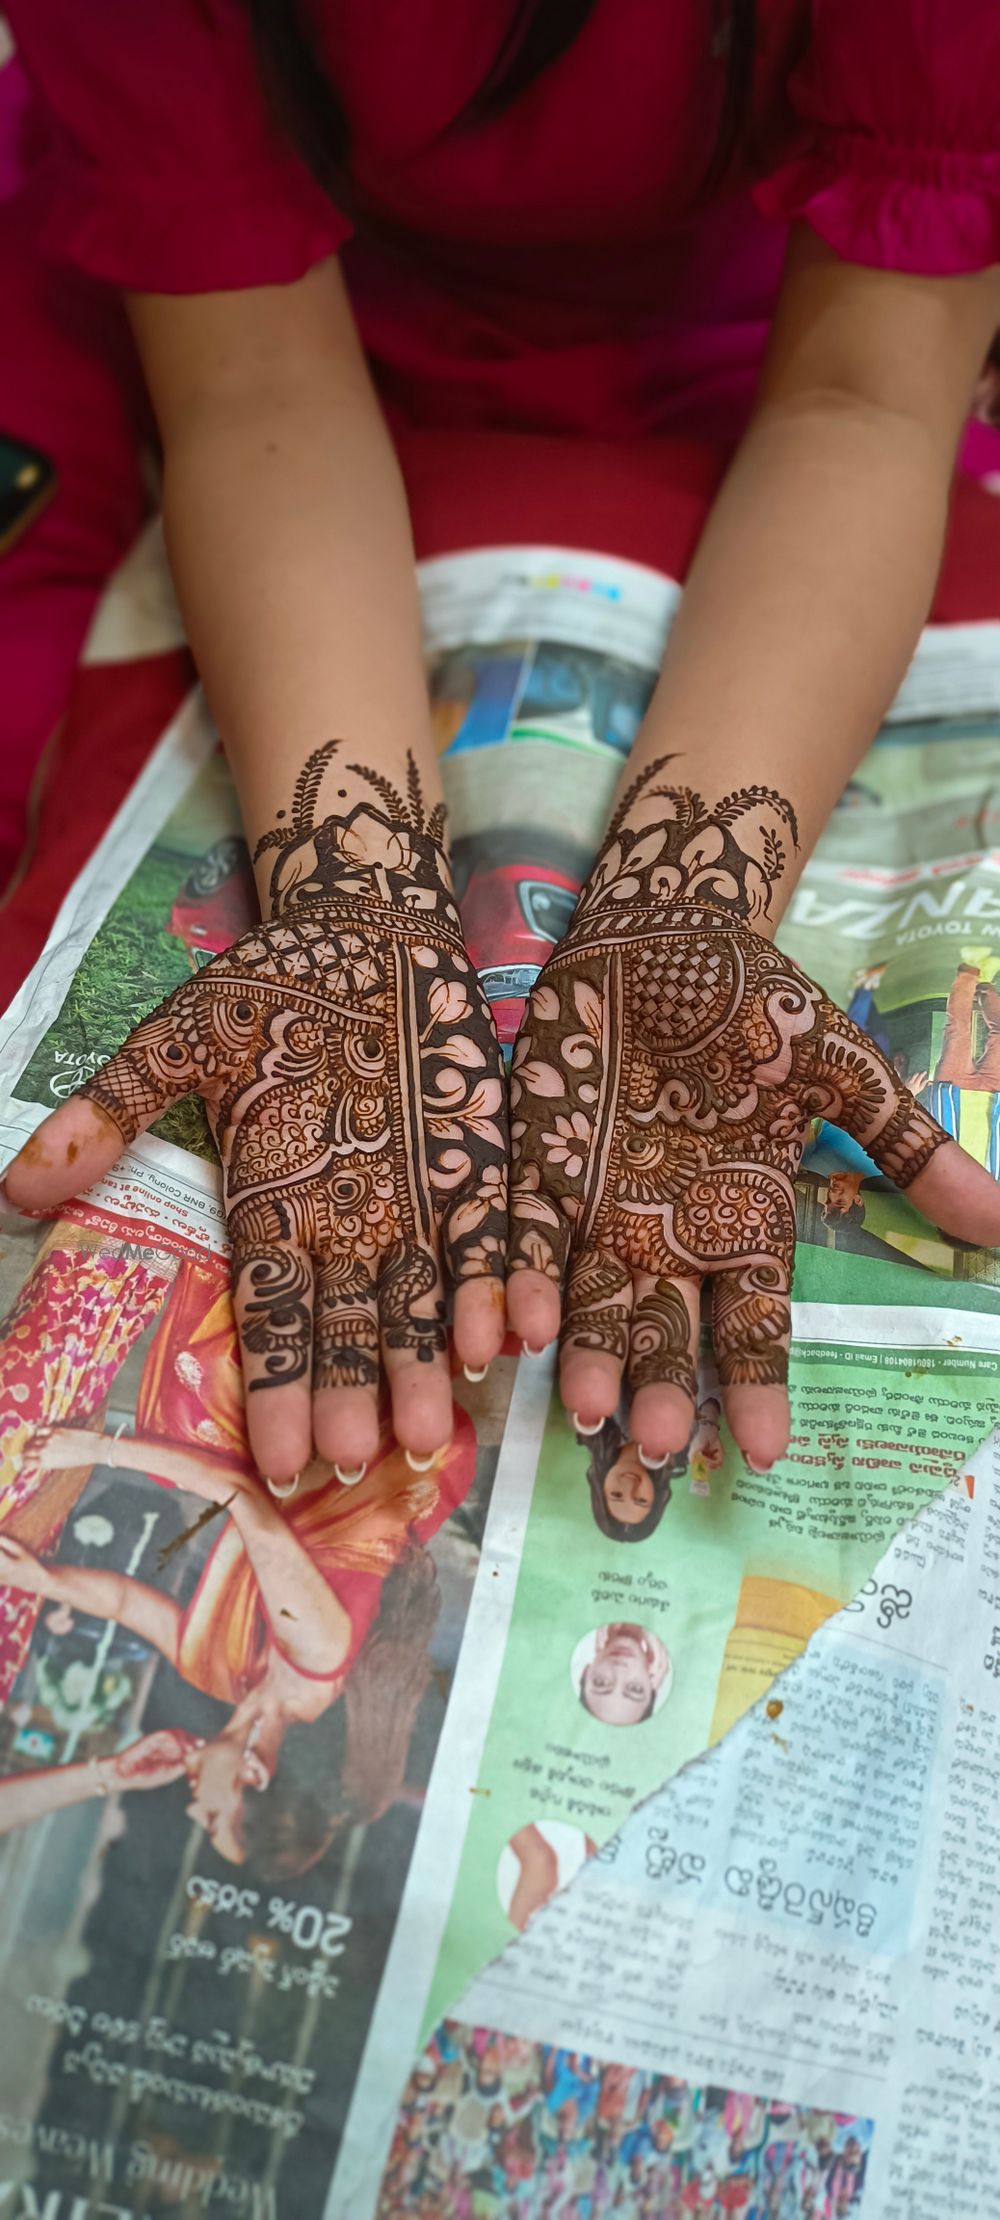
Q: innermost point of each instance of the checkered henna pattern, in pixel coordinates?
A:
(669, 1066)
(352, 1075)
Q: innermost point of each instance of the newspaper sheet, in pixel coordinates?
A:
(773, 1991)
(212, 1990)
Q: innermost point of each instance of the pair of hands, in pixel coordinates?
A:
(667, 1072)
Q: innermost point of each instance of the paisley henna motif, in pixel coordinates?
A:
(348, 1061)
(669, 1066)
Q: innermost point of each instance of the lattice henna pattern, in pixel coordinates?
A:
(669, 1067)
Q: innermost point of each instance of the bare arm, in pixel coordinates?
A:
(28, 1796)
(804, 603)
(103, 1595)
(288, 533)
(291, 547)
(153, 1761)
(311, 1626)
(817, 567)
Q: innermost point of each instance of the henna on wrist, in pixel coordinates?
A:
(351, 1070)
(668, 1070)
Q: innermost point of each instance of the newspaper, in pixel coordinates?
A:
(212, 1990)
(773, 1991)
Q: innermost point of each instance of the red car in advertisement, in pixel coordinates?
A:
(514, 913)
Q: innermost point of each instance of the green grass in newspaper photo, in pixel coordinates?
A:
(189, 896)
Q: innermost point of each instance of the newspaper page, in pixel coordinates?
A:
(773, 1991)
(216, 1973)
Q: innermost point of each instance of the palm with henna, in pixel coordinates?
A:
(669, 1067)
(351, 1073)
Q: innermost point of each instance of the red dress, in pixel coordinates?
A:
(555, 268)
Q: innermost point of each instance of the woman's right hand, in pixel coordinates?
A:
(347, 1059)
(61, 1448)
(20, 1568)
(152, 1762)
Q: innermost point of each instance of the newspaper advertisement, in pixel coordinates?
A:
(228, 1934)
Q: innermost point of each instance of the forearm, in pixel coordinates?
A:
(803, 607)
(289, 537)
(190, 1470)
(310, 1625)
(102, 1595)
(817, 568)
(28, 1796)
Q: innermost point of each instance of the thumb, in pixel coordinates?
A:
(85, 1136)
(959, 1195)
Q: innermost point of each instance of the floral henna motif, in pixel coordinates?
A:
(598, 1315)
(669, 1067)
(351, 1072)
(277, 1314)
(661, 1341)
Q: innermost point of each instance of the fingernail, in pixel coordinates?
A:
(420, 1464)
(586, 1430)
(760, 1470)
(350, 1479)
(282, 1490)
(530, 1352)
(475, 1377)
(652, 1464)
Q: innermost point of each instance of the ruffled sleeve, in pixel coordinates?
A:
(895, 155)
(165, 172)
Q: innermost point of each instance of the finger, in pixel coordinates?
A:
(871, 1102)
(474, 1245)
(273, 1299)
(536, 1262)
(84, 1137)
(662, 1365)
(594, 1338)
(908, 1145)
(958, 1195)
(415, 1349)
(752, 1331)
(479, 1322)
(346, 1366)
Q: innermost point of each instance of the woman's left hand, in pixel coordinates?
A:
(20, 1568)
(152, 1762)
(665, 1079)
(61, 1448)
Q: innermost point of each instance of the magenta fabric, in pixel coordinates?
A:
(68, 384)
(895, 160)
(555, 268)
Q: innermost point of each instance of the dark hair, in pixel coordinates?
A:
(347, 1767)
(307, 107)
(604, 1449)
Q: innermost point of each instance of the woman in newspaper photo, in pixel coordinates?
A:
(777, 226)
(365, 1602)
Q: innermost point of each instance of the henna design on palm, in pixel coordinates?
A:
(352, 1076)
(664, 1082)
